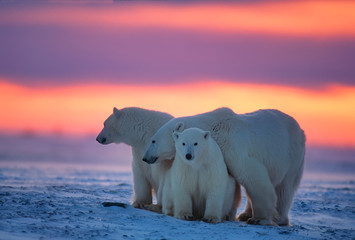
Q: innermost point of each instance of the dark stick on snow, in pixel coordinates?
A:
(117, 204)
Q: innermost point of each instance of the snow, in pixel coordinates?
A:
(56, 199)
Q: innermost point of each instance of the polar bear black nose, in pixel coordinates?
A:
(102, 140)
(188, 156)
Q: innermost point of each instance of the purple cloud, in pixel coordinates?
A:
(33, 54)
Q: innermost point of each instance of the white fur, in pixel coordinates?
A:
(199, 187)
(135, 127)
(264, 151)
(162, 145)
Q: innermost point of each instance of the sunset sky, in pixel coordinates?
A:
(64, 66)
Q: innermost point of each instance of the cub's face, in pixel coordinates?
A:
(191, 145)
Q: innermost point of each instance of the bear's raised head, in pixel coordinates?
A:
(192, 145)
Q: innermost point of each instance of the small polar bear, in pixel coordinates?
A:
(134, 127)
(200, 185)
(263, 150)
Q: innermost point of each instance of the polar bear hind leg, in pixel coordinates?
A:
(247, 213)
(287, 189)
(261, 192)
(285, 193)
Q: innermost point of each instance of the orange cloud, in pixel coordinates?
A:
(327, 116)
(306, 18)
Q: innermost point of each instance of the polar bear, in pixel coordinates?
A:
(263, 150)
(200, 185)
(135, 126)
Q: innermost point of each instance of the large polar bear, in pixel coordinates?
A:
(134, 127)
(263, 150)
(198, 185)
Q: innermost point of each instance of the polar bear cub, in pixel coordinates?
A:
(200, 184)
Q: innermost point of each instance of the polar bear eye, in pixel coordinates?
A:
(183, 144)
(153, 141)
(195, 144)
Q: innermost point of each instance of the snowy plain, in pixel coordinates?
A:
(54, 187)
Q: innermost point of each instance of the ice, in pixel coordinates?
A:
(60, 196)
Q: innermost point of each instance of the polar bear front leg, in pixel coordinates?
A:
(262, 194)
(166, 195)
(183, 206)
(214, 206)
(142, 188)
(168, 207)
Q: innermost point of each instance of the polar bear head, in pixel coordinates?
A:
(192, 145)
(110, 132)
(117, 127)
(162, 145)
(132, 126)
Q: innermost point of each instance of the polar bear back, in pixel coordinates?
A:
(272, 137)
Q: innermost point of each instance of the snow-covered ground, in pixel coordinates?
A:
(54, 189)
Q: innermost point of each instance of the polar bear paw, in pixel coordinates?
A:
(187, 217)
(140, 205)
(153, 208)
(244, 216)
(168, 211)
(211, 219)
(283, 222)
(264, 222)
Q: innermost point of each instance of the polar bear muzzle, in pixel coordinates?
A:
(101, 140)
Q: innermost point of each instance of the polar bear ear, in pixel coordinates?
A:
(176, 135)
(116, 112)
(179, 127)
(207, 135)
